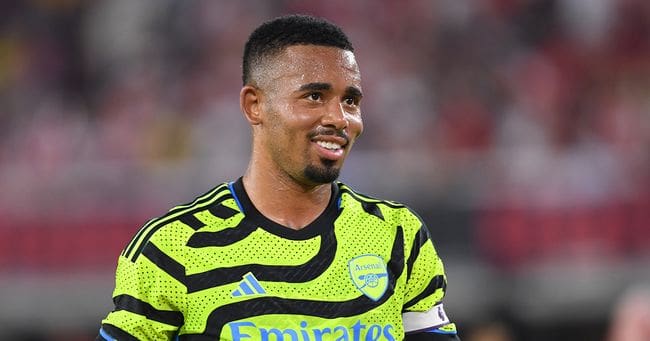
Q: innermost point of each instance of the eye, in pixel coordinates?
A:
(351, 101)
(315, 96)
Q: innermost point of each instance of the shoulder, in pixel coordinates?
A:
(171, 230)
(345, 189)
(388, 210)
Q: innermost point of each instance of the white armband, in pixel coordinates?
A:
(416, 321)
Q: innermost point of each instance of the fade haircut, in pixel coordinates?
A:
(273, 36)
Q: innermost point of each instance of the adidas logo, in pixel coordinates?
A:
(248, 286)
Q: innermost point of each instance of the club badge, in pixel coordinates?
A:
(369, 275)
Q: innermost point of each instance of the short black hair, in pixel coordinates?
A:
(273, 36)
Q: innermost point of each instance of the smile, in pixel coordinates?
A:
(329, 145)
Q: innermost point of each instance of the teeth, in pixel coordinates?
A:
(329, 145)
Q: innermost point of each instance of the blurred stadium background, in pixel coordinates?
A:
(520, 130)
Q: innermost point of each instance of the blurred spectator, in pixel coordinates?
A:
(493, 331)
(631, 316)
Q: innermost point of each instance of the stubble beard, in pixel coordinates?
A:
(323, 174)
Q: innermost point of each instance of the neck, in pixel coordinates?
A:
(283, 199)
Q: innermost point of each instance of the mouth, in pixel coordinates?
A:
(330, 147)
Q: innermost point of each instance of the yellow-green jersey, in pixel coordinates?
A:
(217, 269)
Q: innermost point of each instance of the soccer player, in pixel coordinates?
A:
(286, 252)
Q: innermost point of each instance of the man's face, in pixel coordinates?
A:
(311, 115)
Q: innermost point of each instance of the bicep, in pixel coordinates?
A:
(423, 314)
(426, 282)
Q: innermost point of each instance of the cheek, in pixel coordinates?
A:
(287, 131)
(355, 124)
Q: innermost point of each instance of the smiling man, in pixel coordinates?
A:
(286, 252)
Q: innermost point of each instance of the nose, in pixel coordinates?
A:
(336, 116)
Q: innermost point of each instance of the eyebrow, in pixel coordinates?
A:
(315, 87)
(352, 91)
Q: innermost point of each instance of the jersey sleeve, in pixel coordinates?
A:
(423, 309)
(149, 297)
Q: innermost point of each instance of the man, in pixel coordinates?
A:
(286, 252)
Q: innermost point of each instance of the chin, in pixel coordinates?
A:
(322, 174)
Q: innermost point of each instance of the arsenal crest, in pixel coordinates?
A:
(369, 275)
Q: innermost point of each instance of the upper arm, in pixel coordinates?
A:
(149, 297)
(426, 287)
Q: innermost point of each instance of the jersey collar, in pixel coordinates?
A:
(323, 223)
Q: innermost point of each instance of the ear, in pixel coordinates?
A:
(250, 104)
